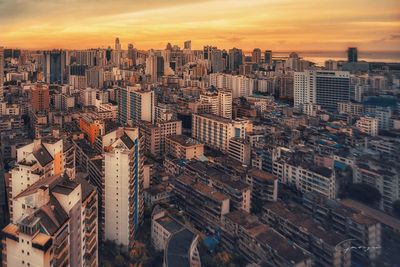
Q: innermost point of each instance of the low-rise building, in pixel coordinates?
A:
(204, 205)
(260, 244)
(329, 248)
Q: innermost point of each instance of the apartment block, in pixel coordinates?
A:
(136, 105)
(155, 135)
(192, 195)
(264, 185)
(362, 229)
(368, 125)
(123, 186)
(261, 245)
(328, 248)
(216, 131)
(183, 147)
(55, 224)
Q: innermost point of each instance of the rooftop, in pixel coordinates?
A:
(209, 192)
(262, 175)
(169, 223)
(178, 248)
(184, 140)
(374, 214)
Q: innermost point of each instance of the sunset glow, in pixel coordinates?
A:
(273, 24)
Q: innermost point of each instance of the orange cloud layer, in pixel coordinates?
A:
(272, 24)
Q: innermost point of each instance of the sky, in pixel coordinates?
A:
(282, 25)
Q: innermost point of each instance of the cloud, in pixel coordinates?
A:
(272, 24)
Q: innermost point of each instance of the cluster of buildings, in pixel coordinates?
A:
(251, 151)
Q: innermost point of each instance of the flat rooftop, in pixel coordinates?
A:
(262, 175)
(375, 214)
(209, 192)
(169, 223)
(184, 140)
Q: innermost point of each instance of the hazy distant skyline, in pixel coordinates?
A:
(284, 25)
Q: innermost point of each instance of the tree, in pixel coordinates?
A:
(364, 193)
(396, 207)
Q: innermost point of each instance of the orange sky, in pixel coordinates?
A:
(268, 24)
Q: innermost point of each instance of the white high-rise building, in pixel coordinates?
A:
(56, 225)
(216, 131)
(155, 66)
(324, 88)
(53, 212)
(136, 105)
(221, 103)
(123, 184)
(225, 104)
(239, 85)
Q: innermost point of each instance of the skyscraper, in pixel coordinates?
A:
(324, 88)
(123, 186)
(117, 44)
(39, 98)
(217, 64)
(268, 57)
(256, 55)
(136, 105)
(132, 54)
(54, 66)
(207, 51)
(188, 45)
(1, 73)
(154, 66)
(235, 59)
(352, 54)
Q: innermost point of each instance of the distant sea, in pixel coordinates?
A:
(319, 57)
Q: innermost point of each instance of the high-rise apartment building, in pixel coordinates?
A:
(54, 66)
(216, 131)
(324, 88)
(256, 55)
(155, 135)
(117, 44)
(221, 103)
(136, 105)
(352, 55)
(268, 57)
(95, 77)
(217, 62)
(1, 73)
(123, 185)
(35, 161)
(54, 224)
(237, 84)
(235, 59)
(132, 54)
(39, 98)
(187, 45)
(154, 67)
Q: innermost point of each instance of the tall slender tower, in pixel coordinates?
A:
(117, 44)
(1, 73)
(123, 185)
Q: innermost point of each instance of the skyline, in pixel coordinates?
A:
(67, 24)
